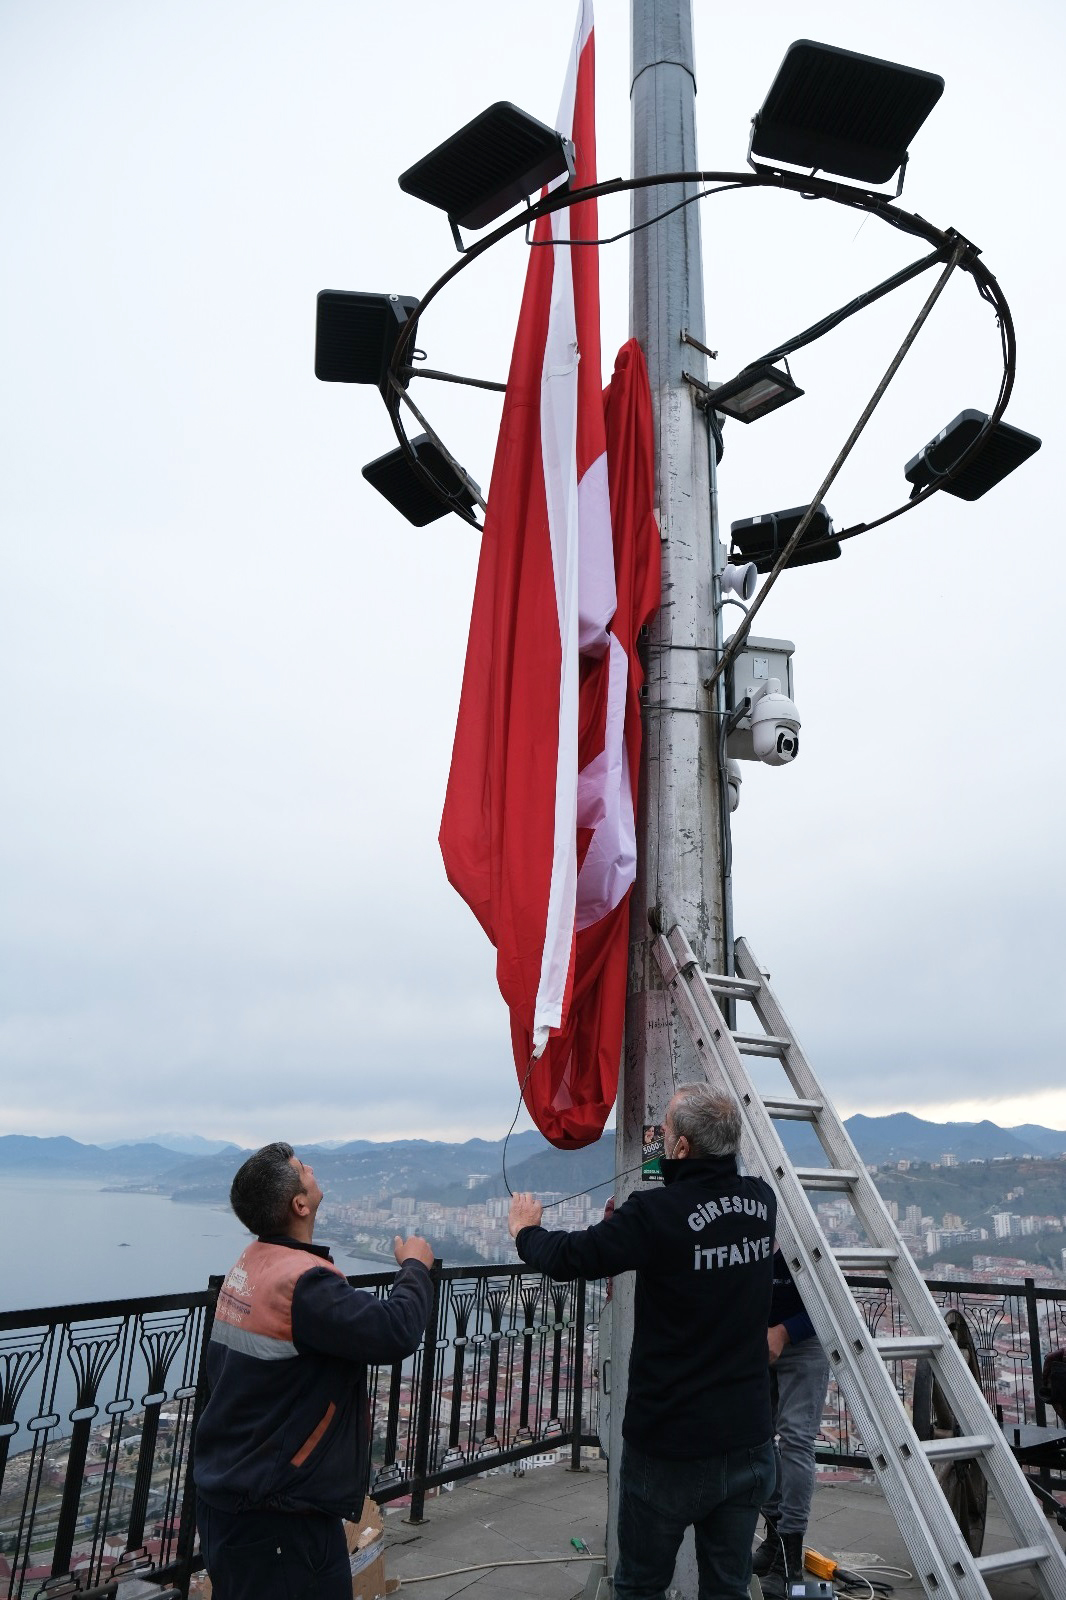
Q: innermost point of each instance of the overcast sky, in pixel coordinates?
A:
(230, 671)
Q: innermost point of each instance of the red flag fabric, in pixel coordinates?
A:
(537, 833)
(571, 1088)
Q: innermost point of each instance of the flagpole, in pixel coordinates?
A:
(679, 848)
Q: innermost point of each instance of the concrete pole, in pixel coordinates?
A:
(679, 867)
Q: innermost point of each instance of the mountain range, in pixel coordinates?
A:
(185, 1144)
(201, 1169)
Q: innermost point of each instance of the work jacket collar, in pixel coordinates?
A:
(698, 1167)
(295, 1244)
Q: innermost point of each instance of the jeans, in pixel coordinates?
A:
(798, 1381)
(718, 1496)
(274, 1555)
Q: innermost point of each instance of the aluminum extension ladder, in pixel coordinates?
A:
(904, 1465)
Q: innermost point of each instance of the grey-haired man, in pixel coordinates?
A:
(697, 1428)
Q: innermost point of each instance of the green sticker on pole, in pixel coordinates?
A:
(653, 1149)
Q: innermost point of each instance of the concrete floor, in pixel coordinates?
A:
(531, 1519)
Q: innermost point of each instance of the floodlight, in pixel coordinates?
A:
(399, 480)
(761, 539)
(355, 335)
(754, 393)
(836, 111)
(500, 158)
(1003, 449)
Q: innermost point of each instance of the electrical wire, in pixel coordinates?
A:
(989, 291)
(735, 644)
(593, 1186)
(850, 1576)
(826, 324)
(660, 216)
(615, 1176)
(577, 1192)
(869, 1561)
(809, 187)
(490, 1566)
(851, 1587)
(514, 1119)
(723, 791)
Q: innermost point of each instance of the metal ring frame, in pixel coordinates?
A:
(945, 242)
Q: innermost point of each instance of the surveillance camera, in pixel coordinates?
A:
(734, 779)
(775, 725)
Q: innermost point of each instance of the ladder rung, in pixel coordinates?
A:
(790, 1109)
(1027, 1555)
(761, 1044)
(853, 1344)
(826, 1177)
(858, 1256)
(959, 1448)
(727, 983)
(903, 1348)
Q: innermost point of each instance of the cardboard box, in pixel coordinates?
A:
(366, 1550)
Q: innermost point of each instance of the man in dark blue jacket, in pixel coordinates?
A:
(697, 1430)
(799, 1377)
(282, 1448)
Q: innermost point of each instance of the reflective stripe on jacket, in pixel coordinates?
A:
(286, 1423)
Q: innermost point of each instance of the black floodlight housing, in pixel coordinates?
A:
(755, 392)
(836, 111)
(1003, 449)
(761, 539)
(404, 487)
(499, 159)
(355, 335)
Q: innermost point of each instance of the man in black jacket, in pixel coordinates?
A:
(799, 1377)
(282, 1448)
(697, 1425)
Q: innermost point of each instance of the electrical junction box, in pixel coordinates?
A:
(757, 661)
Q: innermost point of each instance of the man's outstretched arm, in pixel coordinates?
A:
(619, 1244)
(331, 1316)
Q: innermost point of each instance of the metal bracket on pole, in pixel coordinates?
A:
(697, 344)
(705, 391)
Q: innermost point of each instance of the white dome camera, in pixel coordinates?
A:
(775, 725)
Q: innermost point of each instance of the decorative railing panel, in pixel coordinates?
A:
(510, 1373)
(98, 1405)
(1012, 1326)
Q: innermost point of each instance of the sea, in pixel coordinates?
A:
(68, 1241)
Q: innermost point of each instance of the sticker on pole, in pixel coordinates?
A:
(653, 1149)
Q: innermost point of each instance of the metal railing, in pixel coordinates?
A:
(99, 1402)
(98, 1406)
(1012, 1327)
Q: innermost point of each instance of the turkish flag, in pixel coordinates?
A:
(538, 830)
